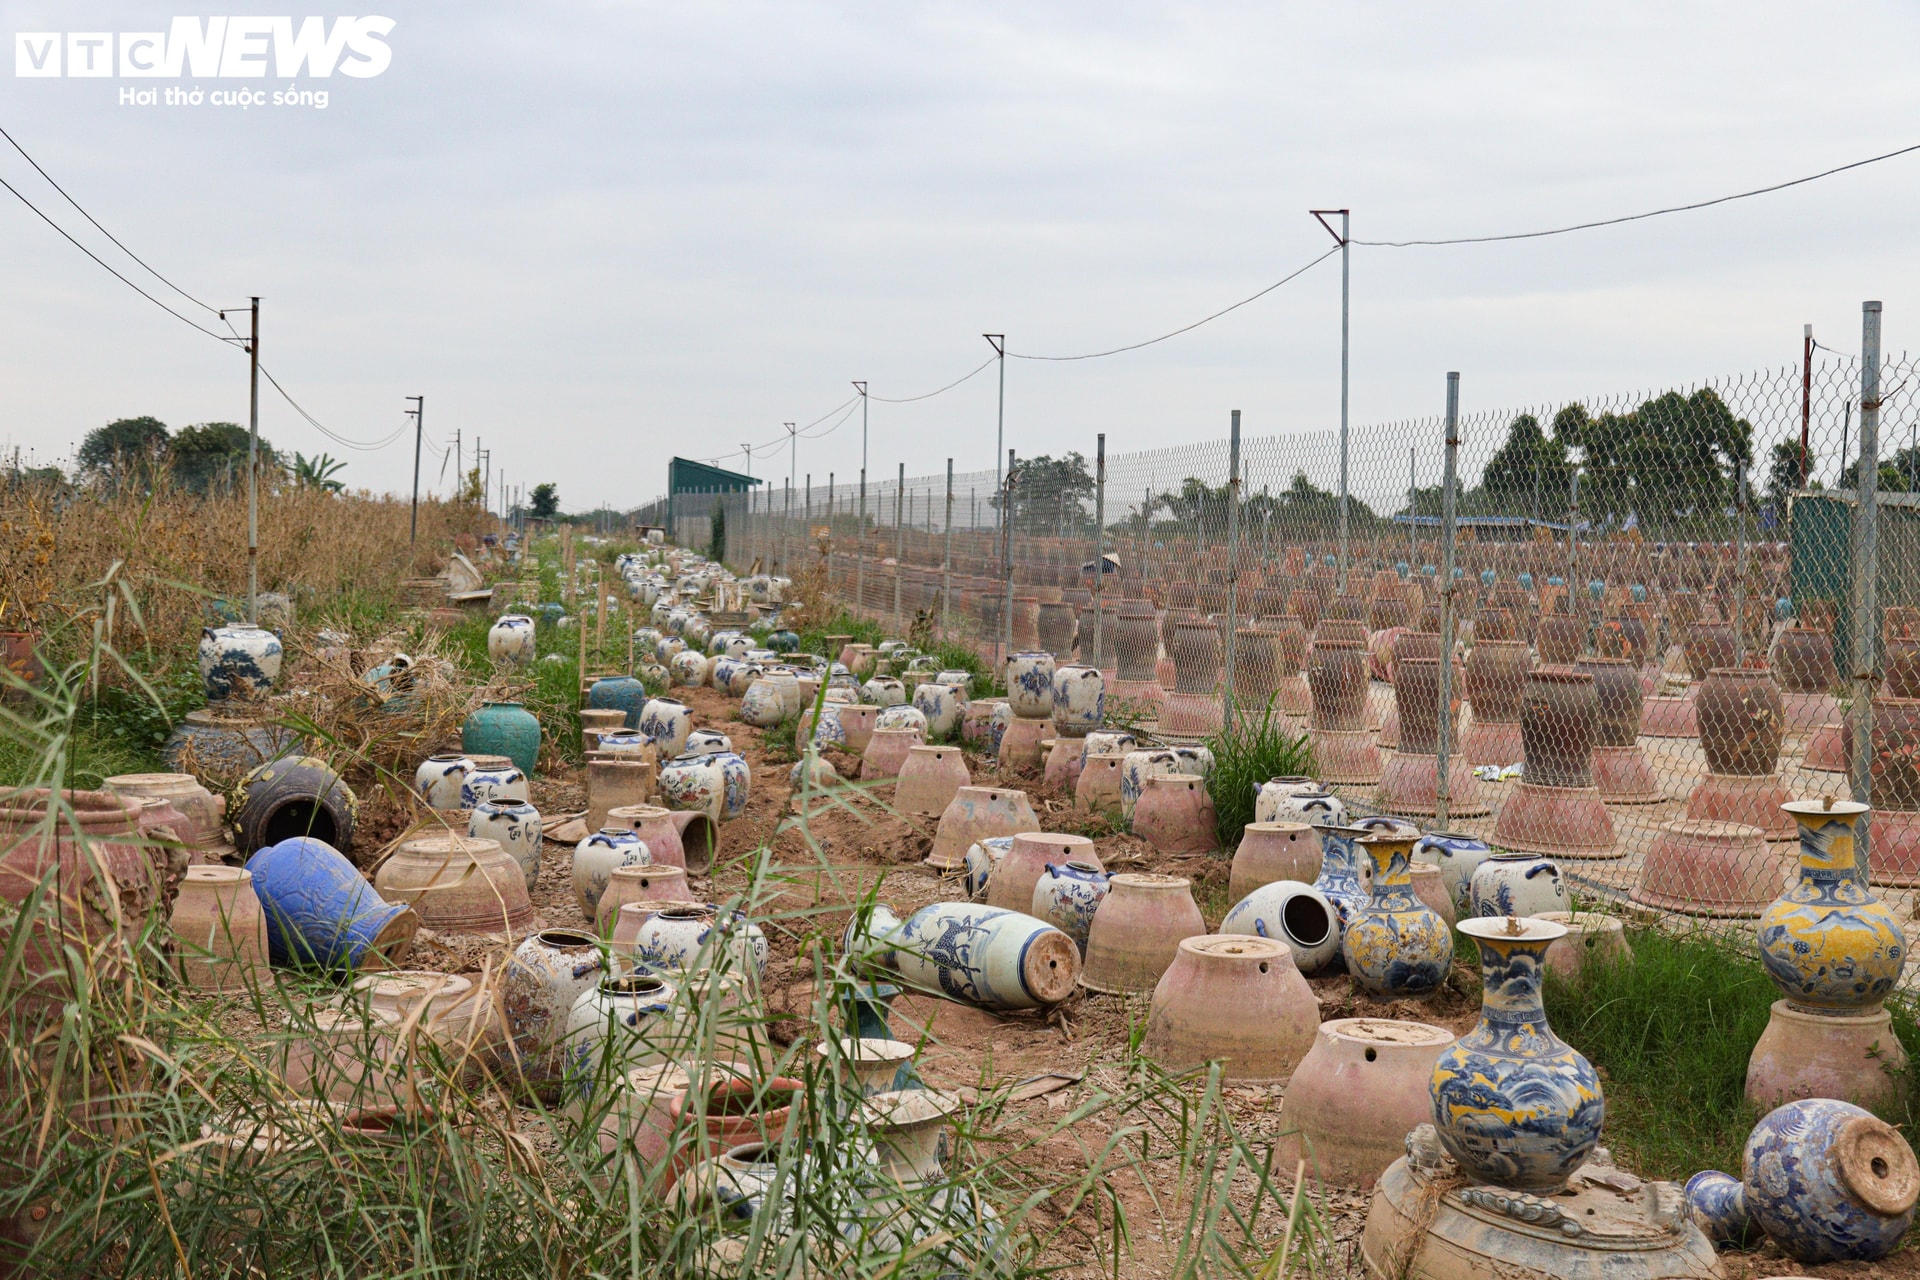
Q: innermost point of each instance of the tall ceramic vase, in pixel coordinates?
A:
(1396, 945)
(1515, 1105)
(1828, 943)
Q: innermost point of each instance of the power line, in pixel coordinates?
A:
(322, 428)
(1651, 213)
(942, 391)
(1135, 346)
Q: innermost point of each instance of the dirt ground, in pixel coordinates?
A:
(967, 1048)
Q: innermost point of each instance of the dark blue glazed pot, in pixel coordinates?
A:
(1829, 1182)
(322, 912)
(503, 729)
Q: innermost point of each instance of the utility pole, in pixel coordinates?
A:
(860, 530)
(1443, 740)
(419, 415)
(999, 343)
(1346, 250)
(1806, 406)
(253, 466)
(459, 476)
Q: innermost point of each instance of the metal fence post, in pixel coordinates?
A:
(899, 540)
(1740, 564)
(1233, 559)
(946, 562)
(1099, 544)
(1443, 744)
(1006, 565)
(1866, 537)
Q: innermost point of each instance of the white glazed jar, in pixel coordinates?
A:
(980, 955)
(546, 974)
(762, 705)
(239, 661)
(1298, 799)
(516, 825)
(1079, 700)
(666, 723)
(498, 779)
(1030, 685)
(942, 707)
(438, 780)
(510, 640)
(594, 860)
(1518, 884)
(883, 691)
(696, 783)
(615, 1025)
(691, 937)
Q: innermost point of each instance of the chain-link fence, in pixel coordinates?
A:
(1651, 628)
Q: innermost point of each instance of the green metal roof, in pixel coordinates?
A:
(687, 476)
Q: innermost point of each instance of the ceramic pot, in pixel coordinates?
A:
(1175, 814)
(997, 726)
(1709, 645)
(617, 1024)
(645, 882)
(1591, 939)
(942, 706)
(666, 723)
(975, 814)
(762, 705)
(1337, 678)
(909, 1128)
(491, 778)
(1618, 701)
(238, 662)
(1136, 769)
(1803, 660)
(337, 1056)
(1396, 946)
(201, 812)
(1516, 884)
(688, 669)
(1558, 711)
(594, 860)
(1297, 799)
(1271, 851)
(1458, 856)
(515, 826)
(321, 911)
(691, 937)
(857, 722)
(1512, 1103)
(983, 856)
(457, 884)
(1079, 700)
(1097, 790)
(868, 1065)
(1496, 672)
(510, 640)
(1234, 999)
(1294, 913)
(883, 691)
(544, 977)
(1019, 750)
(619, 693)
(220, 930)
(726, 1115)
(887, 750)
(503, 729)
(1030, 685)
(1717, 1204)
(1012, 885)
(980, 955)
(1194, 649)
(734, 676)
(1137, 930)
(656, 827)
(902, 716)
(1828, 942)
(617, 783)
(929, 779)
(1829, 1182)
(1365, 1083)
(695, 784)
(438, 780)
(1346, 875)
(1066, 896)
(707, 742)
(1742, 722)
(300, 796)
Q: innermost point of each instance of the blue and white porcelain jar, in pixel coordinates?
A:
(1458, 856)
(982, 857)
(688, 669)
(510, 640)
(980, 955)
(594, 860)
(693, 937)
(736, 784)
(666, 722)
(902, 717)
(492, 778)
(1136, 769)
(438, 780)
(763, 705)
(1002, 717)
(942, 708)
(883, 691)
(729, 644)
(1294, 913)
(1829, 1181)
(1298, 799)
(733, 676)
(238, 661)
(961, 682)
(1030, 685)
(1517, 884)
(1067, 895)
(1104, 742)
(516, 825)
(706, 742)
(1345, 879)
(619, 1023)
(1193, 759)
(1079, 700)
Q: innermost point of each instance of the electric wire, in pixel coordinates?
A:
(942, 391)
(324, 430)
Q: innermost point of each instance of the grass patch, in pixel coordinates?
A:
(1247, 752)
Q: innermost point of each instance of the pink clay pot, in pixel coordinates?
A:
(974, 814)
(646, 882)
(1709, 868)
(929, 779)
(887, 751)
(1012, 883)
(1271, 851)
(1137, 931)
(1175, 814)
(1020, 744)
(856, 720)
(1591, 938)
(1750, 801)
(656, 828)
(1355, 1096)
(1235, 999)
(1098, 790)
(1064, 756)
(1561, 822)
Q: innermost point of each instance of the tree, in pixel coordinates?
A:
(717, 533)
(1788, 471)
(471, 491)
(544, 502)
(126, 450)
(214, 453)
(1529, 475)
(318, 472)
(1049, 495)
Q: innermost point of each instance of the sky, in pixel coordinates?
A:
(596, 235)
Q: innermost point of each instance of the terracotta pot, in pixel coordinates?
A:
(1098, 788)
(1624, 637)
(1416, 694)
(929, 779)
(1335, 630)
(1803, 660)
(1136, 641)
(1236, 1000)
(1708, 868)
(1742, 721)
(1019, 750)
(1558, 711)
(1592, 939)
(1012, 884)
(974, 814)
(1355, 1096)
(1062, 756)
(1175, 814)
(1496, 673)
(457, 884)
(1195, 650)
(887, 751)
(1271, 851)
(1852, 1057)
(1708, 645)
(658, 830)
(221, 930)
(729, 1113)
(642, 882)
(1560, 640)
(1563, 822)
(202, 812)
(1492, 624)
(616, 784)
(1337, 677)
(1669, 718)
(1137, 931)
(1617, 699)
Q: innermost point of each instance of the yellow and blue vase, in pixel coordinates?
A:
(1828, 943)
(1514, 1104)
(1395, 944)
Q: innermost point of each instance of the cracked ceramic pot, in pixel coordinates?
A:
(1828, 1181)
(929, 779)
(1513, 1104)
(492, 778)
(510, 640)
(438, 780)
(1175, 814)
(1271, 851)
(1395, 946)
(1514, 883)
(666, 723)
(762, 705)
(887, 751)
(515, 826)
(457, 884)
(1361, 1088)
(1079, 700)
(1137, 930)
(594, 859)
(642, 882)
(1066, 896)
(1030, 685)
(1828, 942)
(220, 930)
(1294, 913)
(1457, 855)
(1346, 874)
(974, 814)
(301, 796)
(1233, 999)
(1026, 861)
(320, 910)
(974, 953)
(942, 707)
(240, 662)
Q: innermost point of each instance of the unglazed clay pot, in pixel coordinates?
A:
(728, 1114)
(220, 928)
(1271, 851)
(1063, 757)
(1558, 711)
(1828, 942)
(1515, 1105)
(968, 951)
(1175, 814)
(1296, 914)
(1708, 645)
(1234, 999)
(201, 810)
(887, 751)
(1803, 660)
(457, 884)
(1019, 747)
(929, 779)
(643, 882)
(1098, 788)
(1591, 939)
(1396, 946)
(1027, 857)
(657, 830)
(1742, 721)
(1828, 1181)
(1496, 671)
(1708, 868)
(857, 722)
(974, 814)
(1137, 931)
(1337, 677)
(1354, 1097)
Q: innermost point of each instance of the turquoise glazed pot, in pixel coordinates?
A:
(1828, 1181)
(783, 642)
(503, 729)
(1342, 880)
(1396, 945)
(1513, 1103)
(1828, 943)
(619, 693)
(321, 911)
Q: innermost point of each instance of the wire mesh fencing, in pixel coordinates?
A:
(1651, 616)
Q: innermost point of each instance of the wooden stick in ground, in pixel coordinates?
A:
(580, 677)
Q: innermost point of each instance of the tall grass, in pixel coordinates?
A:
(1249, 749)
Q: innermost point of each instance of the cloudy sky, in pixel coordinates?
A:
(596, 235)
